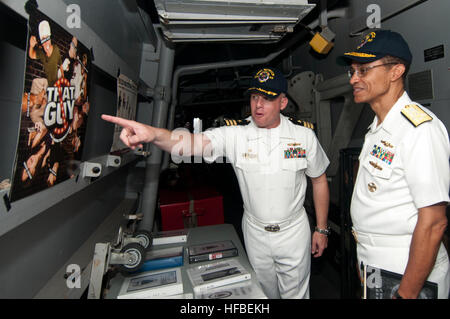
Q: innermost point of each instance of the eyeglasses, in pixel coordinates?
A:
(362, 71)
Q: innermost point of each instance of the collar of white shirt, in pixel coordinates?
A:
(256, 132)
(390, 123)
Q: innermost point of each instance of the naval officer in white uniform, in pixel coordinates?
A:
(271, 156)
(402, 187)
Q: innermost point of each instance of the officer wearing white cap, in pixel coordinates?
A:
(271, 156)
(44, 31)
(402, 187)
(47, 53)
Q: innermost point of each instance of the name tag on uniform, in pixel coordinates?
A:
(249, 155)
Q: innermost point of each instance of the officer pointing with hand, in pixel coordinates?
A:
(271, 155)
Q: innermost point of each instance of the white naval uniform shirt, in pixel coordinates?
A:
(270, 165)
(402, 168)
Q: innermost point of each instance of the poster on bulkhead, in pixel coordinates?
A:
(55, 108)
(127, 92)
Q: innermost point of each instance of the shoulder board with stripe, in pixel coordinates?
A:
(415, 114)
(302, 123)
(231, 122)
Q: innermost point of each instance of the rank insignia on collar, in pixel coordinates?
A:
(415, 114)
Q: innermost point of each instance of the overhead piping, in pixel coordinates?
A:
(197, 68)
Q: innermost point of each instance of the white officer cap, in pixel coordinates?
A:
(44, 31)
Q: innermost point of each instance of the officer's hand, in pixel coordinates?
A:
(133, 133)
(318, 244)
(33, 41)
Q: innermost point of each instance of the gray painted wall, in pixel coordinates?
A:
(39, 245)
(423, 26)
(33, 252)
(11, 60)
(114, 29)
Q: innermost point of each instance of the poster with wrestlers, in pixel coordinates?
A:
(127, 91)
(55, 108)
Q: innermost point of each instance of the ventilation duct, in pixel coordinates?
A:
(229, 20)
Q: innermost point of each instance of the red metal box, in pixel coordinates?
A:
(186, 209)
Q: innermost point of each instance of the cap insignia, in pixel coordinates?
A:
(264, 75)
(369, 38)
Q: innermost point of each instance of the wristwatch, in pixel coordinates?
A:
(326, 231)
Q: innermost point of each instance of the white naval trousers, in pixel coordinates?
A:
(281, 260)
(392, 253)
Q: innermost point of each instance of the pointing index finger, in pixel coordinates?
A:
(116, 120)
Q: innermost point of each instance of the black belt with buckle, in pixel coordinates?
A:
(272, 228)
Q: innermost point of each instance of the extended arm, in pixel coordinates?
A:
(425, 243)
(321, 197)
(32, 49)
(134, 134)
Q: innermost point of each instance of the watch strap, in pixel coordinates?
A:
(325, 231)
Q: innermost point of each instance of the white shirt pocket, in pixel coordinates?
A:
(294, 164)
(377, 168)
